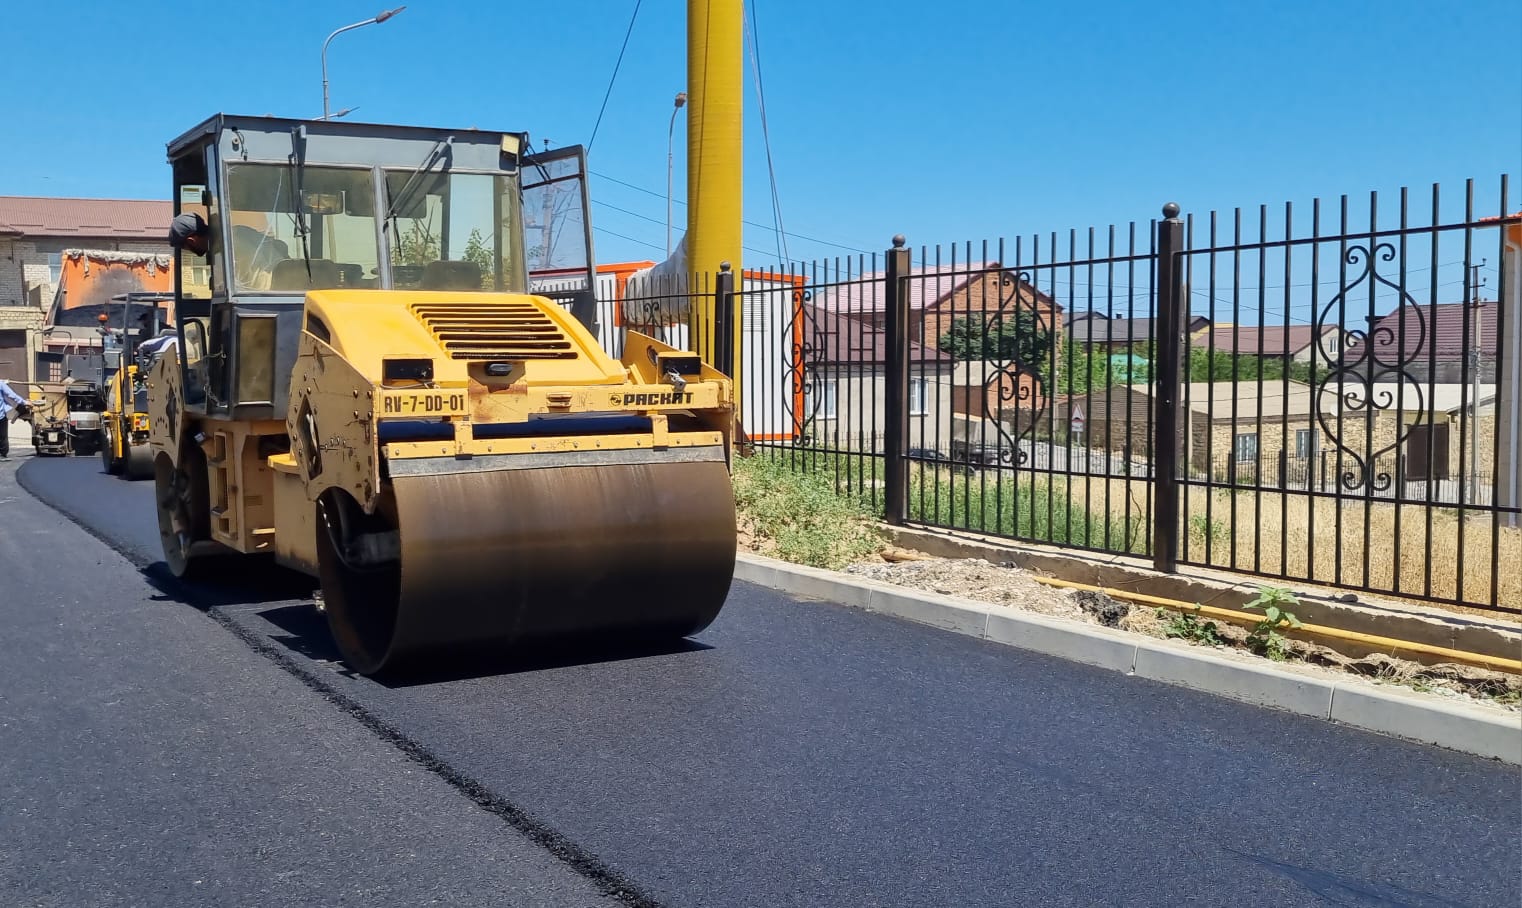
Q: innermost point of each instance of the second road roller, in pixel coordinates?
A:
(362, 387)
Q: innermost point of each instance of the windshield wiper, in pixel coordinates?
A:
(298, 162)
(441, 149)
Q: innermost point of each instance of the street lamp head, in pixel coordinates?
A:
(681, 99)
(384, 15)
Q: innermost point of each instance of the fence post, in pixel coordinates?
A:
(896, 379)
(724, 322)
(1165, 442)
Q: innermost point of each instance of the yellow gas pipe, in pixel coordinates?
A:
(1495, 663)
(715, 79)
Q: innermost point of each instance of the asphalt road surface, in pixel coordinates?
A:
(166, 744)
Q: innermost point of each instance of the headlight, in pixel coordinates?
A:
(140, 422)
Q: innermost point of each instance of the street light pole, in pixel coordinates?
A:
(382, 17)
(681, 99)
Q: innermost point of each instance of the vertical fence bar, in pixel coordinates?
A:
(724, 351)
(896, 382)
(1170, 301)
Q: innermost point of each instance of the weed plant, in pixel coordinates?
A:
(803, 514)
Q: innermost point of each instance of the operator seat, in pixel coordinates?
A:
(291, 274)
(451, 275)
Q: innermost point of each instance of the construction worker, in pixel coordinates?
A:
(149, 350)
(12, 405)
(189, 231)
(255, 256)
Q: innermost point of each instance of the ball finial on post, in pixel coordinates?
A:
(898, 241)
(1171, 210)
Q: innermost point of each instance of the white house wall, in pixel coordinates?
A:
(768, 309)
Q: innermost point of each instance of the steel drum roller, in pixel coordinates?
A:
(498, 551)
(139, 462)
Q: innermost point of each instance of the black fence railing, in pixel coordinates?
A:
(1326, 396)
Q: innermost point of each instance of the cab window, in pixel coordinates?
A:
(294, 229)
(454, 231)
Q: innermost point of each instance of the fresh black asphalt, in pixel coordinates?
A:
(151, 758)
(797, 754)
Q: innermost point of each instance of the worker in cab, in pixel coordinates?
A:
(255, 255)
(190, 231)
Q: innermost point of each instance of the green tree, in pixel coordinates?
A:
(416, 246)
(1208, 365)
(1080, 370)
(1018, 336)
(478, 252)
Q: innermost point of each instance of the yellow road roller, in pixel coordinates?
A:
(363, 387)
(124, 448)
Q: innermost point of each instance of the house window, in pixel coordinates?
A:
(1247, 447)
(1304, 443)
(919, 396)
(55, 267)
(819, 399)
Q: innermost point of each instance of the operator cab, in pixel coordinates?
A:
(291, 206)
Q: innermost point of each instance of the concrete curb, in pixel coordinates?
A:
(1474, 729)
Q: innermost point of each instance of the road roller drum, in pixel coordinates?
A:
(527, 547)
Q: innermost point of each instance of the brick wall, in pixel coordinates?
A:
(1273, 436)
(20, 263)
(1479, 431)
(984, 297)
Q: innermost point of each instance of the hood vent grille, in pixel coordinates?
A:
(500, 331)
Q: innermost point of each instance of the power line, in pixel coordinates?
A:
(614, 77)
(644, 217)
(661, 195)
(766, 136)
(647, 242)
(629, 238)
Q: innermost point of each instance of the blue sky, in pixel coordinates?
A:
(962, 120)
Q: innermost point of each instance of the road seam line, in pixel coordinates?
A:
(608, 881)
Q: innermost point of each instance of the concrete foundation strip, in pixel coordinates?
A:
(1485, 731)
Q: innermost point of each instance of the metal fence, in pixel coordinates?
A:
(1326, 396)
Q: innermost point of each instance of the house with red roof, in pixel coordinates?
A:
(1431, 343)
(940, 296)
(1295, 343)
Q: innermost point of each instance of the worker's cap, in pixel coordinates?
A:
(185, 226)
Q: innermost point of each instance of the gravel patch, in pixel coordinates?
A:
(1014, 587)
(972, 578)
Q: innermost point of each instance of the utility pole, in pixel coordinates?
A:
(547, 222)
(1474, 284)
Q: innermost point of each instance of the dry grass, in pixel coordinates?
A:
(1291, 534)
(1276, 534)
